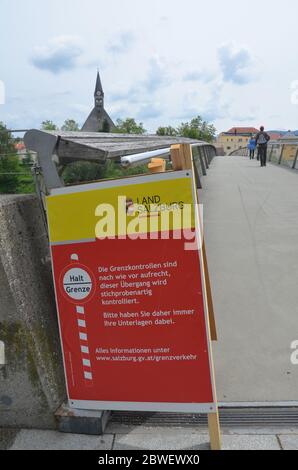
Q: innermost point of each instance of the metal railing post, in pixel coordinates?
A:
(295, 160)
(270, 155)
(202, 161)
(205, 157)
(282, 151)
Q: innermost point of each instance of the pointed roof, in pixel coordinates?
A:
(95, 121)
(98, 118)
(98, 86)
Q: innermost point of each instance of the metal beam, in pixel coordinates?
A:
(44, 145)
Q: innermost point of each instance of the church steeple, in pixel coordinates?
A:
(98, 93)
(98, 120)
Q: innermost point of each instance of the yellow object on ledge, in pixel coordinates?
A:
(157, 165)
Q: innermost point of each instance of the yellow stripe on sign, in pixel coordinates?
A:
(125, 209)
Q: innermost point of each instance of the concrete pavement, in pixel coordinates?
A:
(122, 437)
(251, 232)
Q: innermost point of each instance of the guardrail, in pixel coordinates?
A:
(278, 153)
(241, 152)
(283, 153)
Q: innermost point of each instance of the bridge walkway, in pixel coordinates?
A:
(251, 230)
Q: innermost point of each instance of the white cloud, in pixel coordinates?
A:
(204, 76)
(60, 54)
(186, 56)
(236, 64)
(157, 74)
(141, 92)
(121, 43)
(149, 111)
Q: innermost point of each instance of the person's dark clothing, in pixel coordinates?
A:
(262, 139)
(263, 154)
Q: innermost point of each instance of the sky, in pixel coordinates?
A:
(162, 62)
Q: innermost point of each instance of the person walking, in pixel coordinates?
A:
(252, 147)
(262, 139)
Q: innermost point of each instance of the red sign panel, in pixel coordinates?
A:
(133, 326)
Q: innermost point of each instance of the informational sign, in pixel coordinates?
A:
(130, 294)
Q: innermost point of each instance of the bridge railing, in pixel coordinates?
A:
(279, 153)
(241, 152)
(284, 153)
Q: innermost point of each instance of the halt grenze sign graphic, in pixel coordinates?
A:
(130, 294)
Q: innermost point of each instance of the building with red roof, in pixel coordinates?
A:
(235, 138)
(242, 131)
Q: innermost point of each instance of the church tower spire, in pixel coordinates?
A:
(98, 120)
(98, 93)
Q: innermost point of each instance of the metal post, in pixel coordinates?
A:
(205, 157)
(295, 160)
(202, 161)
(44, 144)
(197, 176)
(282, 151)
(270, 155)
(208, 155)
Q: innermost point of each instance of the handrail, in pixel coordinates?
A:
(145, 157)
(241, 152)
(283, 153)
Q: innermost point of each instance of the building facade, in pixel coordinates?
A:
(235, 138)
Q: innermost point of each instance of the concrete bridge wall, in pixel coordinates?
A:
(32, 382)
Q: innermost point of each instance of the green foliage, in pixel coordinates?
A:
(78, 172)
(114, 170)
(106, 126)
(9, 164)
(129, 126)
(9, 174)
(70, 125)
(167, 131)
(26, 183)
(48, 126)
(15, 175)
(197, 129)
(135, 170)
(81, 172)
(7, 142)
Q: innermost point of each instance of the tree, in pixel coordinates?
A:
(9, 174)
(26, 183)
(106, 126)
(70, 125)
(197, 129)
(9, 163)
(49, 126)
(166, 131)
(129, 126)
(81, 171)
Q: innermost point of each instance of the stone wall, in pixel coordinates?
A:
(32, 384)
